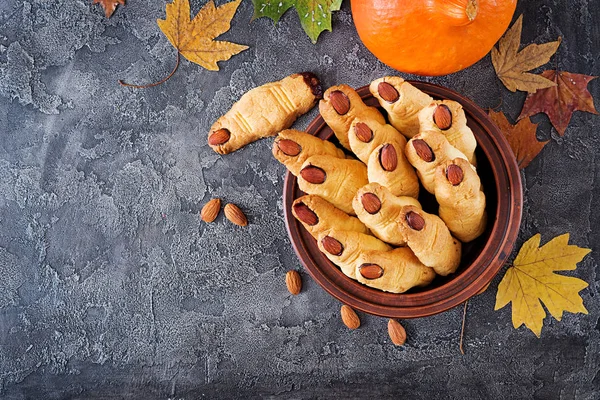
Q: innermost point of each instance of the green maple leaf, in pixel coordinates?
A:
(315, 15)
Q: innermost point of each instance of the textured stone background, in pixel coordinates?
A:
(112, 287)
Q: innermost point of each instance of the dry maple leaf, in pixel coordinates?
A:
(521, 137)
(559, 102)
(109, 6)
(511, 64)
(531, 280)
(194, 38)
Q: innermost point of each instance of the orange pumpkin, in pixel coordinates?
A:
(431, 37)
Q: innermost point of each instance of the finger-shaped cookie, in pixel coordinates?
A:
(292, 148)
(426, 151)
(462, 202)
(343, 248)
(365, 136)
(320, 216)
(264, 111)
(393, 271)
(340, 106)
(429, 238)
(402, 101)
(448, 117)
(389, 167)
(333, 179)
(379, 210)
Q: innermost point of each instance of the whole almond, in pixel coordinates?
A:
(423, 150)
(235, 215)
(293, 281)
(388, 92)
(313, 174)
(396, 332)
(415, 221)
(289, 147)
(219, 137)
(363, 132)
(370, 271)
(371, 203)
(210, 210)
(339, 101)
(305, 214)
(388, 158)
(332, 246)
(349, 317)
(454, 174)
(442, 117)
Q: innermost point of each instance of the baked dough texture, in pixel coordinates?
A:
(400, 270)
(458, 134)
(353, 244)
(432, 242)
(342, 179)
(328, 217)
(402, 113)
(462, 207)
(379, 134)
(442, 151)
(402, 180)
(308, 145)
(340, 123)
(266, 110)
(383, 222)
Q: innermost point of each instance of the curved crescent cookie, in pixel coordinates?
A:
(393, 271)
(462, 202)
(320, 216)
(340, 106)
(379, 210)
(448, 117)
(429, 238)
(402, 101)
(426, 151)
(292, 148)
(264, 111)
(333, 179)
(343, 248)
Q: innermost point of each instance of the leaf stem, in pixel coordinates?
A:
(122, 83)
(462, 329)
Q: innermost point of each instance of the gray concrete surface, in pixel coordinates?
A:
(113, 288)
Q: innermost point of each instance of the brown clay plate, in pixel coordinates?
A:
(482, 258)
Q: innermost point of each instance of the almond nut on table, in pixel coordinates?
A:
(210, 211)
(235, 215)
(349, 317)
(293, 281)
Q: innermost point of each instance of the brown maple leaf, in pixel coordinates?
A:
(109, 5)
(559, 102)
(521, 137)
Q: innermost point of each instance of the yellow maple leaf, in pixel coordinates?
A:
(531, 280)
(193, 38)
(511, 64)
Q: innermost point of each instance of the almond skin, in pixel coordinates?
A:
(305, 214)
(388, 92)
(396, 332)
(371, 203)
(339, 101)
(423, 150)
(363, 132)
(289, 147)
(415, 221)
(442, 117)
(370, 271)
(210, 211)
(219, 137)
(293, 281)
(332, 246)
(454, 174)
(388, 158)
(235, 215)
(313, 174)
(349, 317)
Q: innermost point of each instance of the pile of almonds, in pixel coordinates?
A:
(233, 213)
